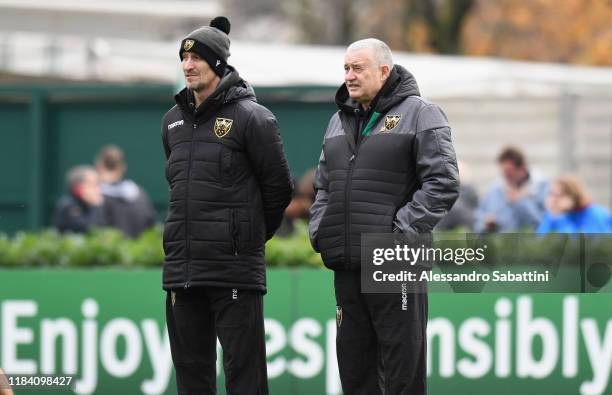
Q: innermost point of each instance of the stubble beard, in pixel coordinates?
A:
(196, 86)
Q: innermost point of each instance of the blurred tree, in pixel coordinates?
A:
(568, 31)
(324, 22)
(261, 20)
(417, 25)
(304, 21)
(308, 15)
(442, 20)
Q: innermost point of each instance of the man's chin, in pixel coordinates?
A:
(195, 87)
(355, 95)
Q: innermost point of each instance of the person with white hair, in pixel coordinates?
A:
(387, 165)
(82, 207)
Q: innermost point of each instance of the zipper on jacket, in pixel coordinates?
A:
(365, 133)
(347, 213)
(234, 231)
(187, 233)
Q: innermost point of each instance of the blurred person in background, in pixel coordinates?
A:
(229, 186)
(299, 207)
(387, 165)
(570, 210)
(127, 206)
(516, 201)
(82, 207)
(462, 215)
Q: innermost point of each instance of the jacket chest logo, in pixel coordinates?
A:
(223, 126)
(391, 122)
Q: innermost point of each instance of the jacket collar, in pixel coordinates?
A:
(400, 84)
(231, 88)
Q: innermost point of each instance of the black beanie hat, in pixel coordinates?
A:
(211, 43)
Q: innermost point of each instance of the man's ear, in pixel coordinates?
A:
(386, 71)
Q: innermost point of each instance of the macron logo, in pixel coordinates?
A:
(175, 124)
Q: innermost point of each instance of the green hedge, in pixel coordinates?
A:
(108, 247)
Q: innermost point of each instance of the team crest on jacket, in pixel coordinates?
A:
(223, 126)
(188, 44)
(338, 316)
(391, 121)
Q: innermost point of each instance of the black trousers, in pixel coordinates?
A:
(195, 318)
(381, 340)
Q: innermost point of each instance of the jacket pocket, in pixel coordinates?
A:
(315, 240)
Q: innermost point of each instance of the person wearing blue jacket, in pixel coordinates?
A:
(570, 210)
(514, 202)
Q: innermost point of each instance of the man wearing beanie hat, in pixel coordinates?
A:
(229, 186)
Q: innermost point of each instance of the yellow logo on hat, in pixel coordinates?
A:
(188, 44)
(223, 126)
(391, 121)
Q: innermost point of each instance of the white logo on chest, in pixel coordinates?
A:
(175, 124)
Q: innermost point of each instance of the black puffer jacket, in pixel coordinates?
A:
(229, 186)
(74, 215)
(402, 176)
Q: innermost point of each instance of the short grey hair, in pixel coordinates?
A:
(381, 51)
(77, 174)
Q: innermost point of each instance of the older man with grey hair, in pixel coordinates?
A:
(387, 165)
(82, 207)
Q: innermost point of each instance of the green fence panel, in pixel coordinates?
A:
(15, 166)
(302, 127)
(48, 129)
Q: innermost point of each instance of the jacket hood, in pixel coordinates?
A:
(231, 88)
(400, 85)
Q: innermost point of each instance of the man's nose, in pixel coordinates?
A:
(350, 75)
